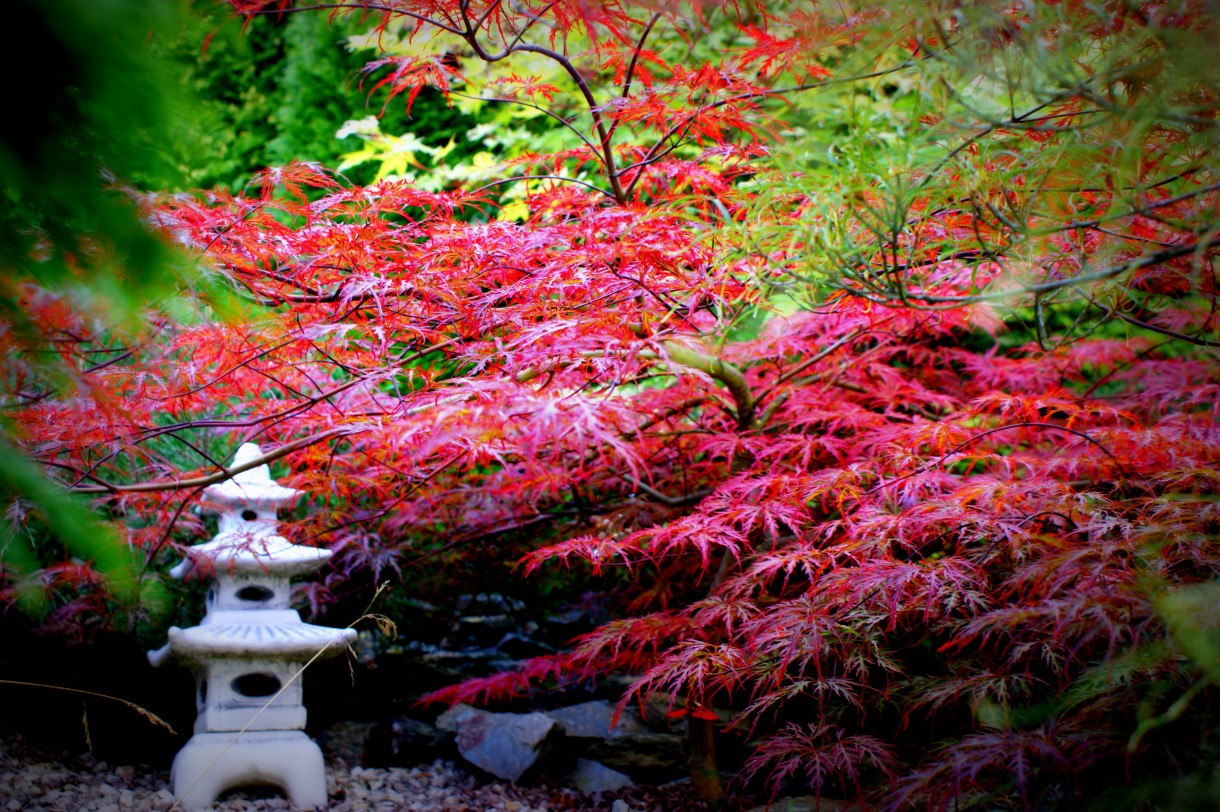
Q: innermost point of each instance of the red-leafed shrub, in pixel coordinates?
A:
(867, 354)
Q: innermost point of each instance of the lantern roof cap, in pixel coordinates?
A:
(239, 634)
(253, 485)
(253, 551)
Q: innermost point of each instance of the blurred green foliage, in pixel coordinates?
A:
(89, 115)
(93, 107)
(278, 89)
(231, 73)
(66, 518)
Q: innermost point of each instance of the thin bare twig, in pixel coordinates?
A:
(224, 473)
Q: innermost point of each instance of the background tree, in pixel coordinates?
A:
(769, 390)
(279, 88)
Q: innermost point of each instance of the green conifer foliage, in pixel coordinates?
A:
(279, 89)
(235, 80)
(317, 92)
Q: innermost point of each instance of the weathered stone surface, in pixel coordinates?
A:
(520, 647)
(593, 776)
(588, 720)
(506, 745)
(450, 719)
(808, 803)
(647, 757)
(631, 746)
(249, 649)
(592, 720)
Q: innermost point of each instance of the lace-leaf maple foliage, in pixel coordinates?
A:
(871, 359)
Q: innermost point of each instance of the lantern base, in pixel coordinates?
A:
(212, 763)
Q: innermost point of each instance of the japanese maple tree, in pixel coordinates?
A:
(872, 351)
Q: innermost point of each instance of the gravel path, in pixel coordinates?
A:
(35, 780)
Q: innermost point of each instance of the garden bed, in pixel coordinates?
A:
(34, 778)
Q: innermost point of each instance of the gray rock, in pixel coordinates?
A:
(592, 776)
(631, 746)
(450, 719)
(808, 803)
(647, 757)
(506, 745)
(592, 720)
(649, 753)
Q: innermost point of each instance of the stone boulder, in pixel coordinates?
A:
(575, 743)
(593, 776)
(507, 745)
(630, 746)
(593, 720)
(808, 803)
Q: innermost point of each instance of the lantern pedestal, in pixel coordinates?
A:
(212, 763)
(248, 652)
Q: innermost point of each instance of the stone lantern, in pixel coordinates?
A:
(249, 650)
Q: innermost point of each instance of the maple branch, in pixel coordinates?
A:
(669, 501)
(352, 6)
(886, 293)
(836, 380)
(545, 111)
(635, 55)
(811, 360)
(151, 556)
(314, 295)
(245, 364)
(534, 19)
(1095, 276)
(544, 177)
(471, 38)
(594, 112)
(673, 308)
(280, 273)
(492, 7)
(416, 484)
(1120, 367)
(760, 93)
(225, 229)
(721, 370)
(1145, 209)
(649, 161)
(224, 473)
(1025, 424)
(487, 532)
(1200, 342)
(205, 455)
(303, 406)
(1137, 187)
(123, 356)
(680, 408)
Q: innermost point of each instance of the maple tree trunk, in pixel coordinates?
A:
(701, 753)
(701, 733)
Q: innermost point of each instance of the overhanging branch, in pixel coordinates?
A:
(722, 371)
(224, 473)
